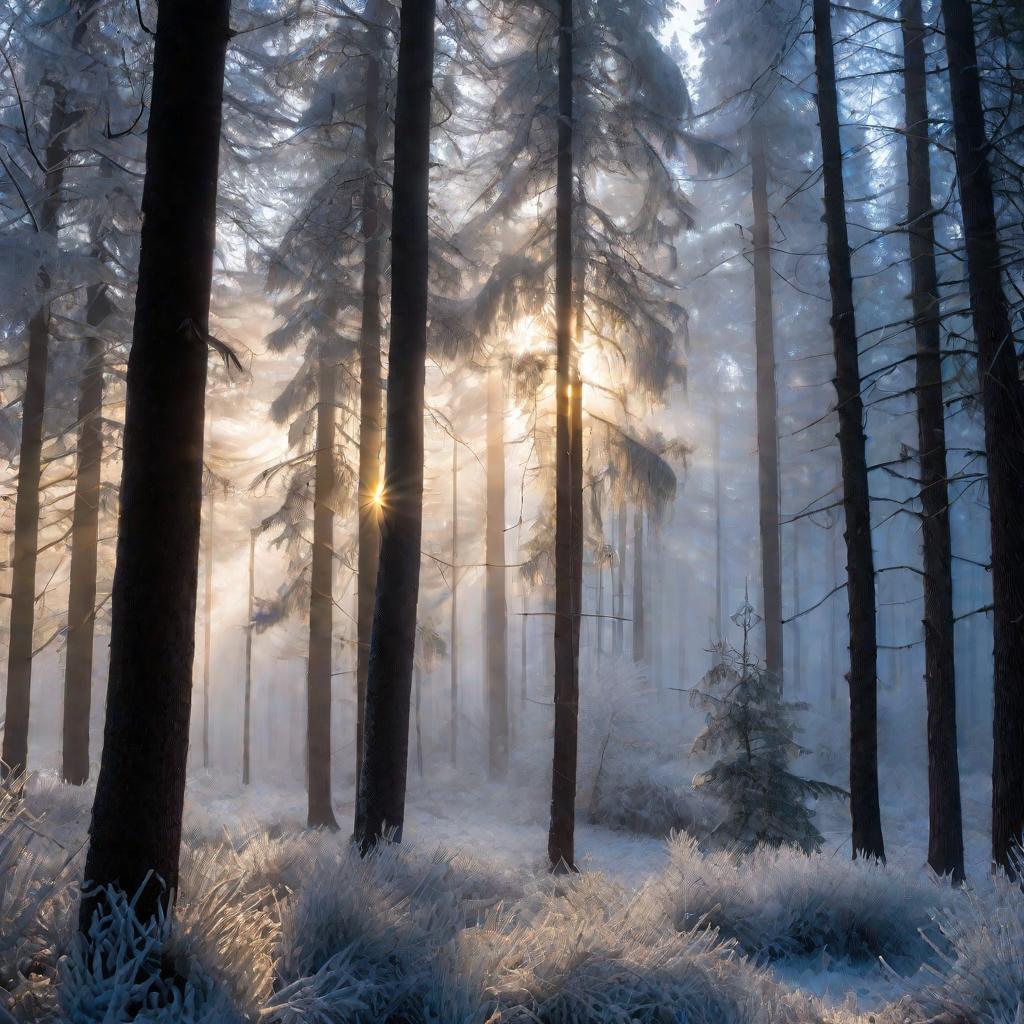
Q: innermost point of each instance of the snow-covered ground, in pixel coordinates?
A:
(806, 938)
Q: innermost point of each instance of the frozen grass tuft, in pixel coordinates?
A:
(780, 902)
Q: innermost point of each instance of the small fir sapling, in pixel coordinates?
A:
(754, 730)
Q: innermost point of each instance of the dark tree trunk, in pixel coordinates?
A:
(561, 834)
(371, 405)
(321, 606)
(84, 540)
(945, 828)
(247, 714)
(767, 411)
(639, 622)
(211, 509)
(14, 756)
(381, 800)
(497, 610)
(136, 816)
(860, 568)
(453, 690)
(1003, 404)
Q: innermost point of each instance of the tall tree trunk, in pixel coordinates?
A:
(619, 604)
(716, 458)
(321, 605)
(945, 827)
(247, 714)
(767, 409)
(639, 622)
(381, 799)
(453, 689)
(84, 541)
(136, 816)
(211, 512)
(561, 834)
(497, 610)
(371, 405)
(14, 756)
(1003, 404)
(860, 568)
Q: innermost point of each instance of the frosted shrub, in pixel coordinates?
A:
(128, 970)
(780, 902)
(980, 973)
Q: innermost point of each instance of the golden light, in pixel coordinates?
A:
(568, 390)
(378, 495)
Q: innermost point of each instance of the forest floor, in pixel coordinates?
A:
(842, 938)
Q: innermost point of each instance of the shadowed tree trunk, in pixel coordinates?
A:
(767, 412)
(14, 756)
(1002, 399)
(453, 690)
(370, 396)
(321, 605)
(84, 540)
(211, 513)
(497, 611)
(247, 714)
(561, 834)
(860, 567)
(381, 800)
(136, 816)
(639, 623)
(945, 828)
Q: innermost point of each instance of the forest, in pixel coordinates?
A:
(507, 511)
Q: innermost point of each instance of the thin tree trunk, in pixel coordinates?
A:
(561, 834)
(14, 756)
(453, 690)
(1003, 404)
(419, 729)
(247, 715)
(860, 569)
(945, 826)
(136, 816)
(84, 540)
(716, 458)
(497, 611)
(618, 632)
(381, 800)
(371, 404)
(211, 511)
(321, 605)
(639, 622)
(767, 409)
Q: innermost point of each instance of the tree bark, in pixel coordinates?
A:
(497, 610)
(860, 568)
(561, 834)
(211, 513)
(136, 816)
(1003, 404)
(945, 826)
(247, 713)
(639, 622)
(767, 409)
(371, 405)
(381, 800)
(453, 690)
(14, 756)
(619, 603)
(84, 540)
(321, 605)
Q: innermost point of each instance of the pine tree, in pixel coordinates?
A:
(755, 730)
(135, 832)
